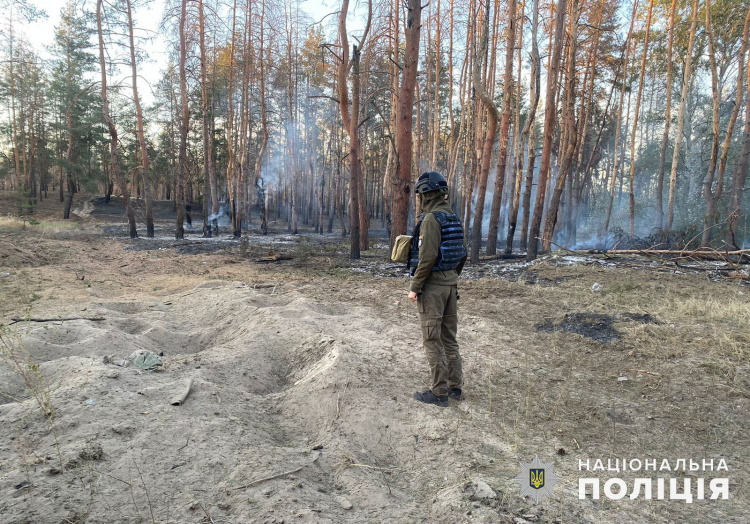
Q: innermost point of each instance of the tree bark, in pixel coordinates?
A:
(618, 126)
(550, 115)
(350, 124)
(568, 149)
(502, 160)
(713, 196)
(184, 126)
(740, 171)
(402, 181)
(489, 139)
(681, 116)
(209, 169)
(141, 135)
(635, 120)
(114, 162)
(667, 122)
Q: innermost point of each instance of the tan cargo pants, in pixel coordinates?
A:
(438, 314)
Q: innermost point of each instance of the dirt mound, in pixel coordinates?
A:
(12, 256)
(265, 393)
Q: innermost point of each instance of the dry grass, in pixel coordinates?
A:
(15, 355)
(700, 318)
(13, 224)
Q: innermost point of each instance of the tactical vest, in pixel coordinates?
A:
(452, 249)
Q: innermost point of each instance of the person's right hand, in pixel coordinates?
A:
(412, 296)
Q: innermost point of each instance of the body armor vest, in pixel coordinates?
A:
(452, 249)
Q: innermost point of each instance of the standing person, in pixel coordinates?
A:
(438, 254)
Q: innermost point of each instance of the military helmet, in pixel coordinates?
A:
(430, 181)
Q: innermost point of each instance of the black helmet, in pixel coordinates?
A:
(430, 181)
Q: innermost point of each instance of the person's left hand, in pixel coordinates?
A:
(412, 296)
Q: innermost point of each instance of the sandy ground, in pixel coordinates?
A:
(303, 372)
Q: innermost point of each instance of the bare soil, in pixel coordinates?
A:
(303, 372)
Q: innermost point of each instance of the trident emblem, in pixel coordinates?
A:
(536, 477)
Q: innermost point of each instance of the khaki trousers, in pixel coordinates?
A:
(438, 315)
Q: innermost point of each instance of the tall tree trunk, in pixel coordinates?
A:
(528, 188)
(635, 120)
(521, 137)
(504, 129)
(69, 163)
(550, 114)
(436, 91)
(111, 127)
(531, 142)
(740, 170)
(667, 122)
(489, 139)
(241, 191)
(208, 135)
(713, 196)
(568, 153)
(184, 126)
(12, 81)
(259, 182)
(681, 116)
(350, 124)
(141, 135)
(618, 125)
(363, 213)
(402, 181)
(231, 200)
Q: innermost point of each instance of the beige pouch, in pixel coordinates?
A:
(401, 249)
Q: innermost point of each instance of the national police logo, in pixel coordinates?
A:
(537, 479)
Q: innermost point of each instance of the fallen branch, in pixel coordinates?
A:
(576, 253)
(367, 466)
(502, 256)
(645, 371)
(275, 257)
(93, 319)
(253, 483)
(285, 473)
(694, 253)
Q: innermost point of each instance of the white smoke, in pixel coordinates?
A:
(223, 217)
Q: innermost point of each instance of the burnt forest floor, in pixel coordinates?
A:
(303, 365)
